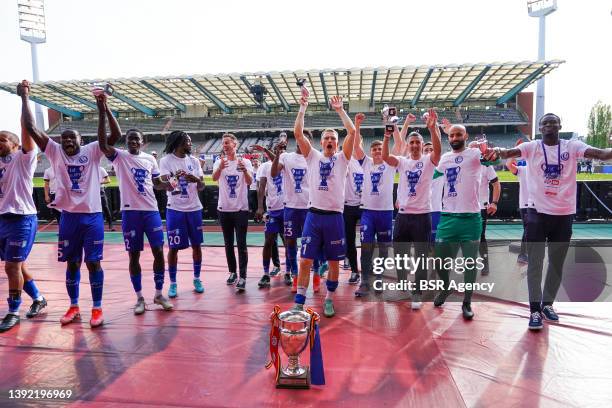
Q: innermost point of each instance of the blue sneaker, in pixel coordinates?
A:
(172, 290)
(535, 321)
(328, 308)
(323, 268)
(549, 313)
(522, 259)
(197, 286)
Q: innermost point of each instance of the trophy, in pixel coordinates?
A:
(301, 82)
(390, 119)
(100, 88)
(482, 143)
(294, 336)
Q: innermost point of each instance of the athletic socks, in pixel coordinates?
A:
(158, 278)
(292, 260)
(331, 288)
(172, 272)
(14, 301)
(30, 288)
(266, 266)
(300, 296)
(96, 281)
(72, 286)
(197, 266)
(137, 283)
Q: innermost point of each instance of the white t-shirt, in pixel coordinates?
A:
(16, 185)
(185, 196)
(327, 178)
(135, 174)
(488, 174)
(461, 173)
(103, 175)
(437, 189)
(78, 178)
(295, 180)
(521, 173)
(354, 183)
(274, 187)
(233, 191)
(415, 185)
(378, 183)
(553, 193)
(256, 173)
(49, 176)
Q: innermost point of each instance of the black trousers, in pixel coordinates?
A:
(56, 213)
(351, 214)
(556, 230)
(238, 222)
(524, 238)
(252, 196)
(106, 209)
(162, 199)
(412, 230)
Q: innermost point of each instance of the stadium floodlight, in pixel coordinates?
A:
(540, 9)
(32, 30)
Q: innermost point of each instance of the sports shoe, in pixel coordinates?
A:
(73, 314)
(232, 278)
(379, 285)
(550, 314)
(441, 298)
(36, 308)
(139, 307)
(264, 282)
(165, 303)
(328, 309)
(172, 290)
(288, 279)
(275, 271)
(466, 309)
(10, 320)
(345, 265)
(522, 259)
(322, 269)
(197, 286)
(363, 290)
(535, 321)
(354, 279)
(316, 283)
(241, 286)
(97, 318)
(294, 286)
(416, 303)
(485, 270)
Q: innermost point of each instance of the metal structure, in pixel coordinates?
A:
(486, 84)
(32, 30)
(540, 9)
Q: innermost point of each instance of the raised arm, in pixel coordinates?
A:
(113, 124)
(349, 140)
(298, 128)
(27, 143)
(388, 158)
(599, 154)
(277, 167)
(261, 194)
(358, 152)
(400, 137)
(27, 120)
(436, 138)
(264, 150)
(108, 150)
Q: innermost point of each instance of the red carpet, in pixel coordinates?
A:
(212, 349)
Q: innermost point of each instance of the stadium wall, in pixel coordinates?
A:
(524, 102)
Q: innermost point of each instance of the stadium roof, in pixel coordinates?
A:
(417, 85)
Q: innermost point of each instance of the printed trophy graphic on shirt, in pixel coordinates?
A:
(278, 183)
(552, 171)
(452, 173)
(2, 171)
(375, 178)
(413, 180)
(140, 175)
(358, 181)
(232, 182)
(183, 184)
(75, 173)
(298, 177)
(324, 172)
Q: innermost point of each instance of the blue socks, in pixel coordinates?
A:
(96, 281)
(196, 270)
(72, 285)
(172, 272)
(136, 282)
(292, 260)
(266, 266)
(14, 301)
(30, 288)
(158, 277)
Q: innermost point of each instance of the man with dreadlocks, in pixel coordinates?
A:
(184, 209)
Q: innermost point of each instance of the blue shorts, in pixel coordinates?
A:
(376, 223)
(17, 234)
(294, 222)
(435, 219)
(274, 222)
(135, 224)
(184, 228)
(80, 232)
(323, 234)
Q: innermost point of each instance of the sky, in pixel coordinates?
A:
(137, 38)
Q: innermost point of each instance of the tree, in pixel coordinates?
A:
(600, 126)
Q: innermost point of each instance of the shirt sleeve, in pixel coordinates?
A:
(579, 148)
(46, 176)
(103, 173)
(95, 152)
(491, 174)
(198, 167)
(164, 168)
(281, 159)
(154, 168)
(52, 149)
(526, 149)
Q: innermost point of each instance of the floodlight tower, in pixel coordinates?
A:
(540, 9)
(32, 30)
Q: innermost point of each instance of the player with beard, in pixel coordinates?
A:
(551, 165)
(324, 225)
(413, 221)
(184, 210)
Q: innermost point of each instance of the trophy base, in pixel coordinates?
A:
(301, 382)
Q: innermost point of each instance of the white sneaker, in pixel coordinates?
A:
(416, 302)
